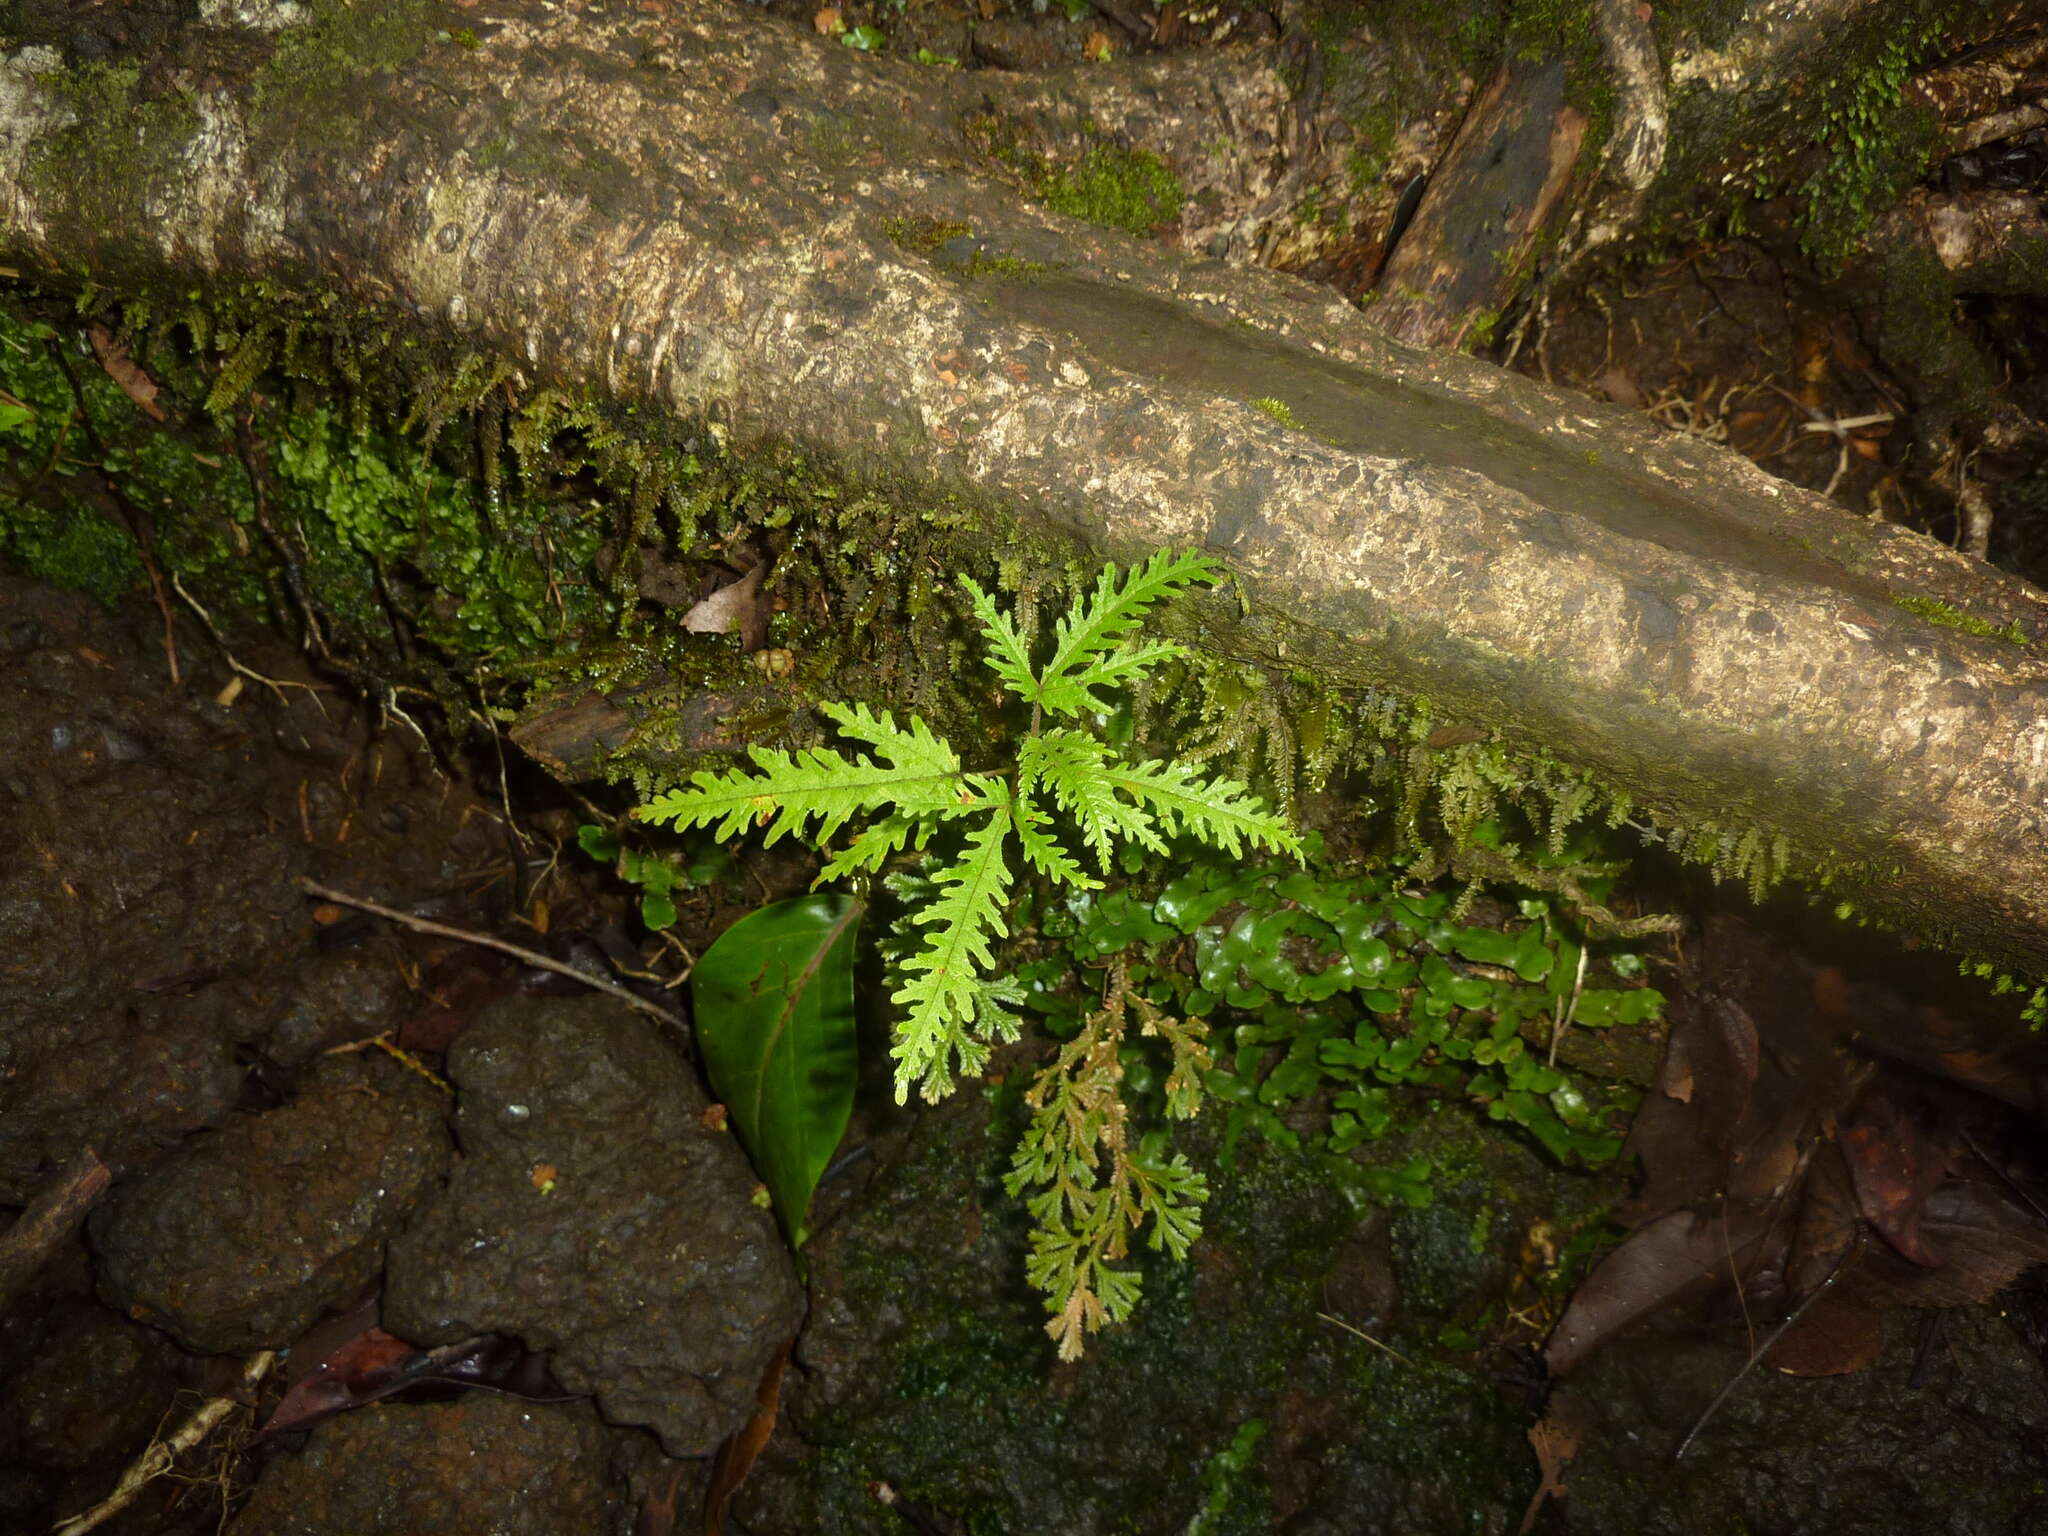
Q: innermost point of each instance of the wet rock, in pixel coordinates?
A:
(481, 1463)
(338, 995)
(243, 1237)
(594, 1215)
(94, 1385)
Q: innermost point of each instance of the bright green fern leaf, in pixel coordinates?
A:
(919, 776)
(1088, 650)
(944, 993)
(1218, 811)
(1008, 652)
(1042, 851)
(1076, 770)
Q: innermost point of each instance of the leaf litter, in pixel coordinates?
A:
(1819, 1152)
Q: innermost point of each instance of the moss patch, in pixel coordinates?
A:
(1127, 189)
(1947, 614)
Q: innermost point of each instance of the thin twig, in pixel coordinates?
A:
(1849, 1256)
(625, 995)
(274, 684)
(162, 1455)
(1564, 1019)
(1361, 1333)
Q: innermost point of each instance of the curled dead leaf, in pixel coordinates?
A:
(135, 383)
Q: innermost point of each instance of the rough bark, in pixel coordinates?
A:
(697, 211)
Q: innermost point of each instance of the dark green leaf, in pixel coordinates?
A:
(774, 1006)
(657, 910)
(1487, 946)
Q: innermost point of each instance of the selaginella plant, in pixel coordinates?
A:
(1093, 1183)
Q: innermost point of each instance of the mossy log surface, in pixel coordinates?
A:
(693, 210)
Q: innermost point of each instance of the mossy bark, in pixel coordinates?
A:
(708, 218)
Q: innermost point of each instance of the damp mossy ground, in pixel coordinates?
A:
(1229, 1404)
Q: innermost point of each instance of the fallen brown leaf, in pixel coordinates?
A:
(737, 605)
(737, 1457)
(1658, 1264)
(136, 384)
(1839, 1335)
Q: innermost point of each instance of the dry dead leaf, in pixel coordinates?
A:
(737, 1458)
(736, 605)
(123, 370)
(1556, 1438)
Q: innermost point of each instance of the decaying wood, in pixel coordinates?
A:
(700, 212)
(52, 1216)
(1497, 192)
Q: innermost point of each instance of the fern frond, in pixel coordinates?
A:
(871, 848)
(1219, 811)
(1075, 769)
(1088, 649)
(911, 750)
(919, 777)
(1115, 607)
(1009, 653)
(1042, 852)
(945, 994)
(1073, 695)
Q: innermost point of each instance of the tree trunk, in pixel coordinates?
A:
(697, 211)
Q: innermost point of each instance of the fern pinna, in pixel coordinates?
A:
(954, 1002)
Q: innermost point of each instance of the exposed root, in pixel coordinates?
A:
(162, 1453)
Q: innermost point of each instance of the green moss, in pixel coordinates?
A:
(1712, 22)
(1549, 29)
(120, 139)
(1939, 612)
(310, 85)
(924, 236)
(72, 548)
(1876, 142)
(371, 524)
(1127, 189)
(1276, 408)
